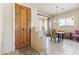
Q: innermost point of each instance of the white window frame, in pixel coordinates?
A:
(65, 22)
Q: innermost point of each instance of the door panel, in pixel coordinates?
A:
(23, 23)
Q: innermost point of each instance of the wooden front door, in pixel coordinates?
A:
(22, 26)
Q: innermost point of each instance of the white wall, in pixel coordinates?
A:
(0, 28)
(7, 34)
(74, 13)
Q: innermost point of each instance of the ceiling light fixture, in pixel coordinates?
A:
(55, 20)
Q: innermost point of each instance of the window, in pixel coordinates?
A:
(69, 21)
(62, 22)
(43, 23)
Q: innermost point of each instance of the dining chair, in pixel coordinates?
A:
(53, 35)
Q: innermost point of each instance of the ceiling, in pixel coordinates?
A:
(50, 8)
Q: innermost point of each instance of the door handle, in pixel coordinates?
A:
(29, 29)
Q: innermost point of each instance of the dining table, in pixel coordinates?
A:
(60, 35)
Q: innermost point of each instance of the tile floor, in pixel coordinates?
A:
(24, 51)
(67, 47)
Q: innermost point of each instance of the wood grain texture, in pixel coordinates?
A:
(22, 26)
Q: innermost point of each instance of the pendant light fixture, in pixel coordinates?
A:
(55, 20)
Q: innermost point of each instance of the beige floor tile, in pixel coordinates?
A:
(67, 47)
